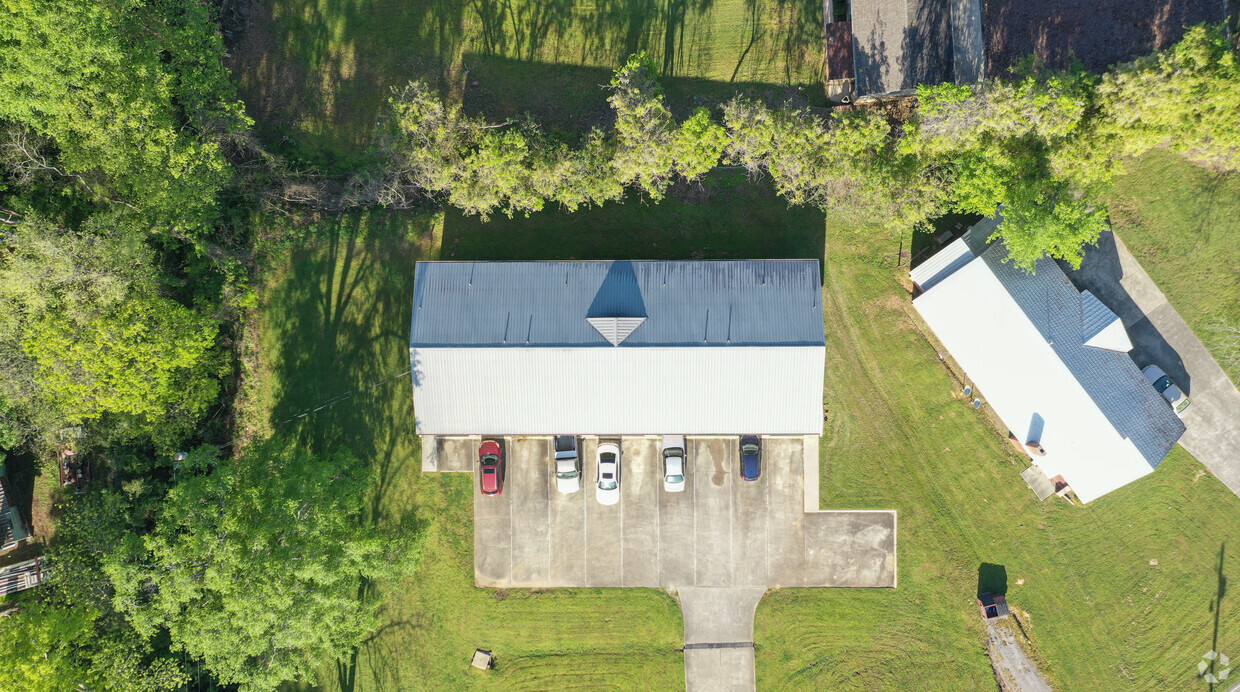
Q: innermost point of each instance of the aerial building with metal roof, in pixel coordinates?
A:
(618, 347)
(1051, 361)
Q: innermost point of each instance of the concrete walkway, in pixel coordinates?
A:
(968, 48)
(719, 637)
(1159, 335)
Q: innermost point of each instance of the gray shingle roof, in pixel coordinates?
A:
(689, 303)
(1110, 378)
(899, 44)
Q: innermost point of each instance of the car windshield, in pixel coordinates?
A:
(489, 459)
(673, 452)
(675, 479)
(607, 485)
(749, 449)
(568, 474)
(1162, 383)
(607, 457)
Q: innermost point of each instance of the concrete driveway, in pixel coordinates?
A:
(1160, 336)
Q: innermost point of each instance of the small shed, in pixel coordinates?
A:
(992, 606)
(482, 659)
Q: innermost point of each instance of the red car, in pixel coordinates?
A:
(491, 459)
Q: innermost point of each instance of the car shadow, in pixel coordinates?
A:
(1100, 274)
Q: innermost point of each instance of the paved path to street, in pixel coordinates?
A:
(1159, 335)
(719, 637)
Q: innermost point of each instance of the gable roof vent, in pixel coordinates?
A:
(1100, 327)
(615, 329)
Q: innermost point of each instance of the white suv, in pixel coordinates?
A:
(1170, 391)
(674, 467)
(567, 464)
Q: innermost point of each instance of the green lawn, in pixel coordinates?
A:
(1183, 223)
(316, 73)
(334, 319)
(1100, 615)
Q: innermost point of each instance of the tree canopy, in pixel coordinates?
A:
(129, 95)
(86, 336)
(256, 563)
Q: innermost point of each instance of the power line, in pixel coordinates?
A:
(327, 404)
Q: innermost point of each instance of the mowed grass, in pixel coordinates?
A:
(317, 73)
(1183, 223)
(1099, 614)
(335, 319)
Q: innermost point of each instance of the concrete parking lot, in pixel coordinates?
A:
(720, 532)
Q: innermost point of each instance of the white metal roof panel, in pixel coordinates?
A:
(941, 265)
(1019, 338)
(619, 391)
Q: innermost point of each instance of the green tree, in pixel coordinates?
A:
(85, 337)
(149, 363)
(851, 165)
(131, 94)
(578, 177)
(1012, 144)
(698, 144)
(497, 174)
(92, 643)
(39, 648)
(255, 563)
(1186, 97)
(644, 128)
(426, 145)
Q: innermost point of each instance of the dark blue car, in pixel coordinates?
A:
(751, 458)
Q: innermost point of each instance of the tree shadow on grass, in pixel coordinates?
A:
(726, 216)
(316, 76)
(338, 327)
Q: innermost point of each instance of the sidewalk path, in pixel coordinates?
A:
(1159, 335)
(968, 50)
(719, 637)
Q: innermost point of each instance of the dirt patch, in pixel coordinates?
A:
(1099, 34)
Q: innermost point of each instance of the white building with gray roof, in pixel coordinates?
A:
(618, 347)
(1052, 362)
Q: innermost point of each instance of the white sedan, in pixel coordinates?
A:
(674, 463)
(608, 492)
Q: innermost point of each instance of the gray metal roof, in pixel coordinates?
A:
(624, 347)
(689, 303)
(1110, 378)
